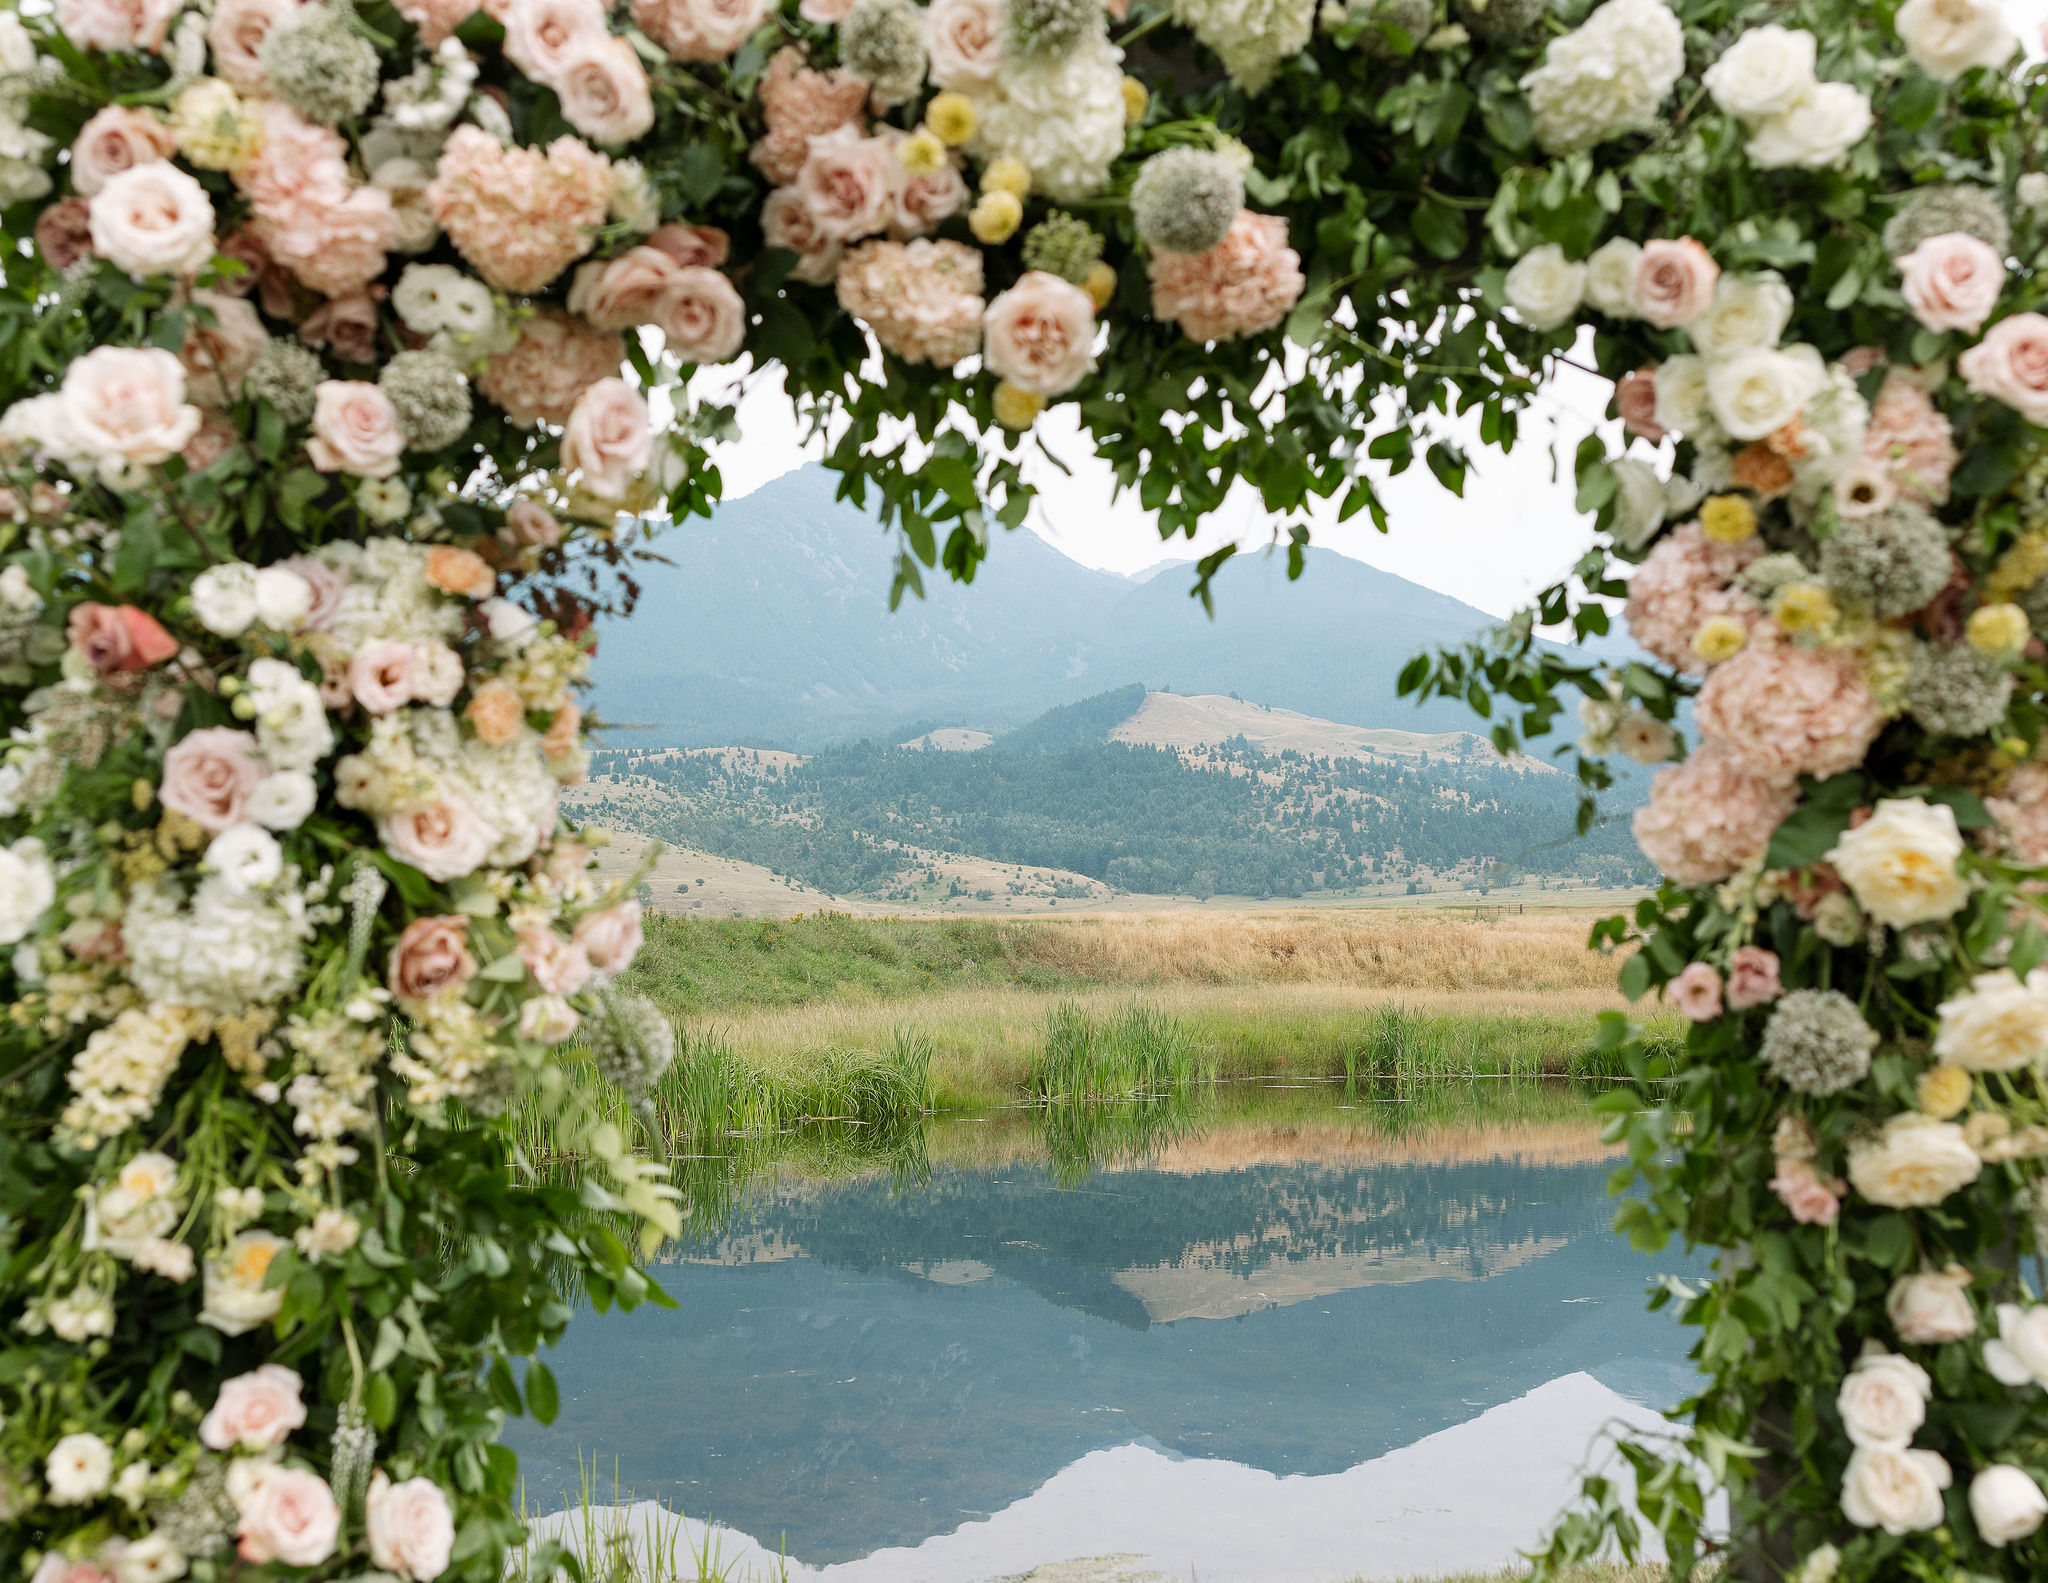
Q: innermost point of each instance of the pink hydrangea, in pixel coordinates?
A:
(1912, 439)
(520, 215)
(1246, 283)
(799, 104)
(1696, 993)
(1777, 709)
(1813, 1200)
(921, 299)
(2022, 813)
(556, 358)
(1682, 582)
(1708, 816)
(1752, 978)
(337, 248)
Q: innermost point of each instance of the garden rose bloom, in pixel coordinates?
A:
(236, 1300)
(380, 675)
(1828, 120)
(355, 430)
(620, 293)
(117, 638)
(1635, 398)
(966, 42)
(116, 24)
(64, 232)
(346, 325)
(692, 246)
(1752, 977)
(1696, 993)
(409, 1527)
(1883, 1399)
(209, 775)
(114, 140)
(1946, 38)
(217, 356)
(1245, 284)
(436, 19)
(702, 317)
(254, 1411)
(1747, 311)
(287, 1514)
(1545, 287)
(153, 220)
(603, 91)
(2011, 365)
(543, 36)
(2006, 1504)
(556, 358)
(1759, 391)
(612, 938)
(520, 215)
(1998, 1025)
(236, 33)
(1040, 334)
(431, 958)
(2018, 1355)
(127, 404)
(607, 438)
(702, 30)
(798, 104)
(848, 182)
(787, 222)
(1896, 1490)
(547, 1019)
(559, 966)
(1901, 862)
(443, 838)
(496, 712)
(1764, 73)
(1777, 709)
(1674, 283)
(1708, 816)
(461, 572)
(1952, 281)
(1914, 1163)
(925, 202)
(1931, 1308)
(530, 522)
(1814, 1200)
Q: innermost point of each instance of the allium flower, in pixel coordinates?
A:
(285, 376)
(430, 397)
(1777, 709)
(1957, 691)
(1891, 564)
(921, 299)
(1607, 77)
(1053, 27)
(1244, 285)
(319, 65)
(1253, 37)
(1817, 1042)
(1946, 208)
(520, 215)
(1185, 199)
(883, 42)
(1707, 817)
(630, 1041)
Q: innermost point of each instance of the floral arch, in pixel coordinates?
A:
(327, 338)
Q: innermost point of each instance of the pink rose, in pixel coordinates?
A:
(1674, 282)
(560, 967)
(153, 220)
(1752, 978)
(1696, 993)
(444, 838)
(355, 430)
(701, 30)
(409, 1527)
(347, 325)
(237, 32)
(116, 24)
(1952, 281)
(702, 317)
(328, 583)
(787, 222)
(431, 958)
(57, 1567)
(607, 438)
(547, 1019)
(1040, 334)
(924, 203)
(380, 676)
(556, 358)
(603, 91)
(287, 1514)
(254, 1411)
(626, 291)
(848, 183)
(128, 402)
(118, 638)
(966, 43)
(209, 776)
(64, 233)
(542, 36)
(1931, 1308)
(692, 246)
(1813, 1201)
(2011, 365)
(612, 938)
(436, 19)
(114, 140)
(1635, 398)
(217, 356)
(530, 522)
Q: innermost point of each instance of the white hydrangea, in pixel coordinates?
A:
(1253, 37)
(508, 785)
(291, 723)
(1606, 77)
(228, 950)
(389, 596)
(224, 598)
(1063, 118)
(23, 150)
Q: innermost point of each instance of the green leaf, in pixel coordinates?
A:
(1439, 228)
(1816, 824)
(542, 1399)
(1635, 976)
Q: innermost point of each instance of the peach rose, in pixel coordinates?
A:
(1674, 282)
(443, 838)
(218, 355)
(1040, 334)
(287, 1514)
(703, 318)
(603, 91)
(236, 33)
(410, 1529)
(692, 246)
(355, 430)
(436, 19)
(966, 43)
(620, 293)
(1635, 398)
(380, 675)
(607, 438)
(543, 36)
(612, 938)
(1952, 281)
(64, 233)
(209, 776)
(118, 638)
(128, 403)
(1696, 993)
(530, 522)
(153, 220)
(2011, 365)
(254, 1411)
(1752, 978)
(559, 966)
(701, 30)
(346, 325)
(848, 182)
(431, 958)
(556, 358)
(560, 739)
(1813, 1199)
(787, 222)
(496, 711)
(114, 140)
(116, 24)
(461, 572)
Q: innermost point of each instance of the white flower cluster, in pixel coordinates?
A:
(134, 1218)
(458, 312)
(1251, 36)
(119, 1076)
(1606, 77)
(231, 946)
(1063, 117)
(446, 803)
(22, 149)
(1765, 80)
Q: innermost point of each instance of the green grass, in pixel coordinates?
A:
(1138, 1053)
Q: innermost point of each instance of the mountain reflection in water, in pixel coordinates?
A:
(853, 1367)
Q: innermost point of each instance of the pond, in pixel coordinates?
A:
(1292, 1338)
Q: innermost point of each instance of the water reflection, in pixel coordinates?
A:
(1253, 1327)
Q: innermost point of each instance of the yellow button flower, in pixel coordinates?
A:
(1998, 630)
(1017, 408)
(1942, 1092)
(1727, 519)
(1008, 174)
(1719, 638)
(1100, 284)
(1137, 100)
(1805, 608)
(952, 117)
(994, 220)
(922, 152)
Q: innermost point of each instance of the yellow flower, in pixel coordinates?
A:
(213, 128)
(1017, 408)
(1008, 174)
(1998, 630)
(2019, 568)
(1805, 607)
(1942, 1092)
(922, 152)
(1137, 100)
(952, 117)
(994, 220)
(1727, 519)
(1719, 638)
(1100, 284)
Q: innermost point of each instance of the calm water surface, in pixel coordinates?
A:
(1295, 1345)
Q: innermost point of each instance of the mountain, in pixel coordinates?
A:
(772, 626)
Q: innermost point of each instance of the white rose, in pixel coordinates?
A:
(153, 219)
(1946, 38)
(283, 800)
(1681, 383)
(1758, 391)
(409, 1527)
(224, 598)
(2000, 1025)
(247, 856)
(283, 598)
(78, 1469)
(1610, 273)
(1830, 119)
(510, 624)
(1900, 864)
(1545, 288)
(2006, 1504)
(1898, 1491)
(1930, 1308)
(155, 1557)
(28, 885)
(1606, 77)
(1747, 311)
(1763, 73)
(1883, 1399)
(2018, 1354)
(236, 1300)
(1638, 502)
(1914, 1163)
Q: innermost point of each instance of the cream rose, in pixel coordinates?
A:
(287, 1514)
(115, 140)
(409, 1526)
(2011, 365)
(1914, 1163)
(1040, 334)
(2018, 1354)
(1931, 1308)
(1952, 282)
(116, 24)
(1680, 384)
(153, 220)
(1883, 1400)
(848, 183)
(703, 318)
(209, 776)
(237, 32)
(787, 222)
(126, 404)
(1898, 1491)
(624, 292)
(236, 1300)
(2000, 1025)
(1763, 73)
(1611, 275)
(1829, 119)
(1545, 288)
(607, 438)
(543, 36)
(254, 1411)
(1747, 311)
(966, 42)
(1757, 391)
(443, 838)
(1900, 863)
(1674, 283)
(355, 430)
(612, 938)
(1946, 38)
(603, 91)
(2006, 1504)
